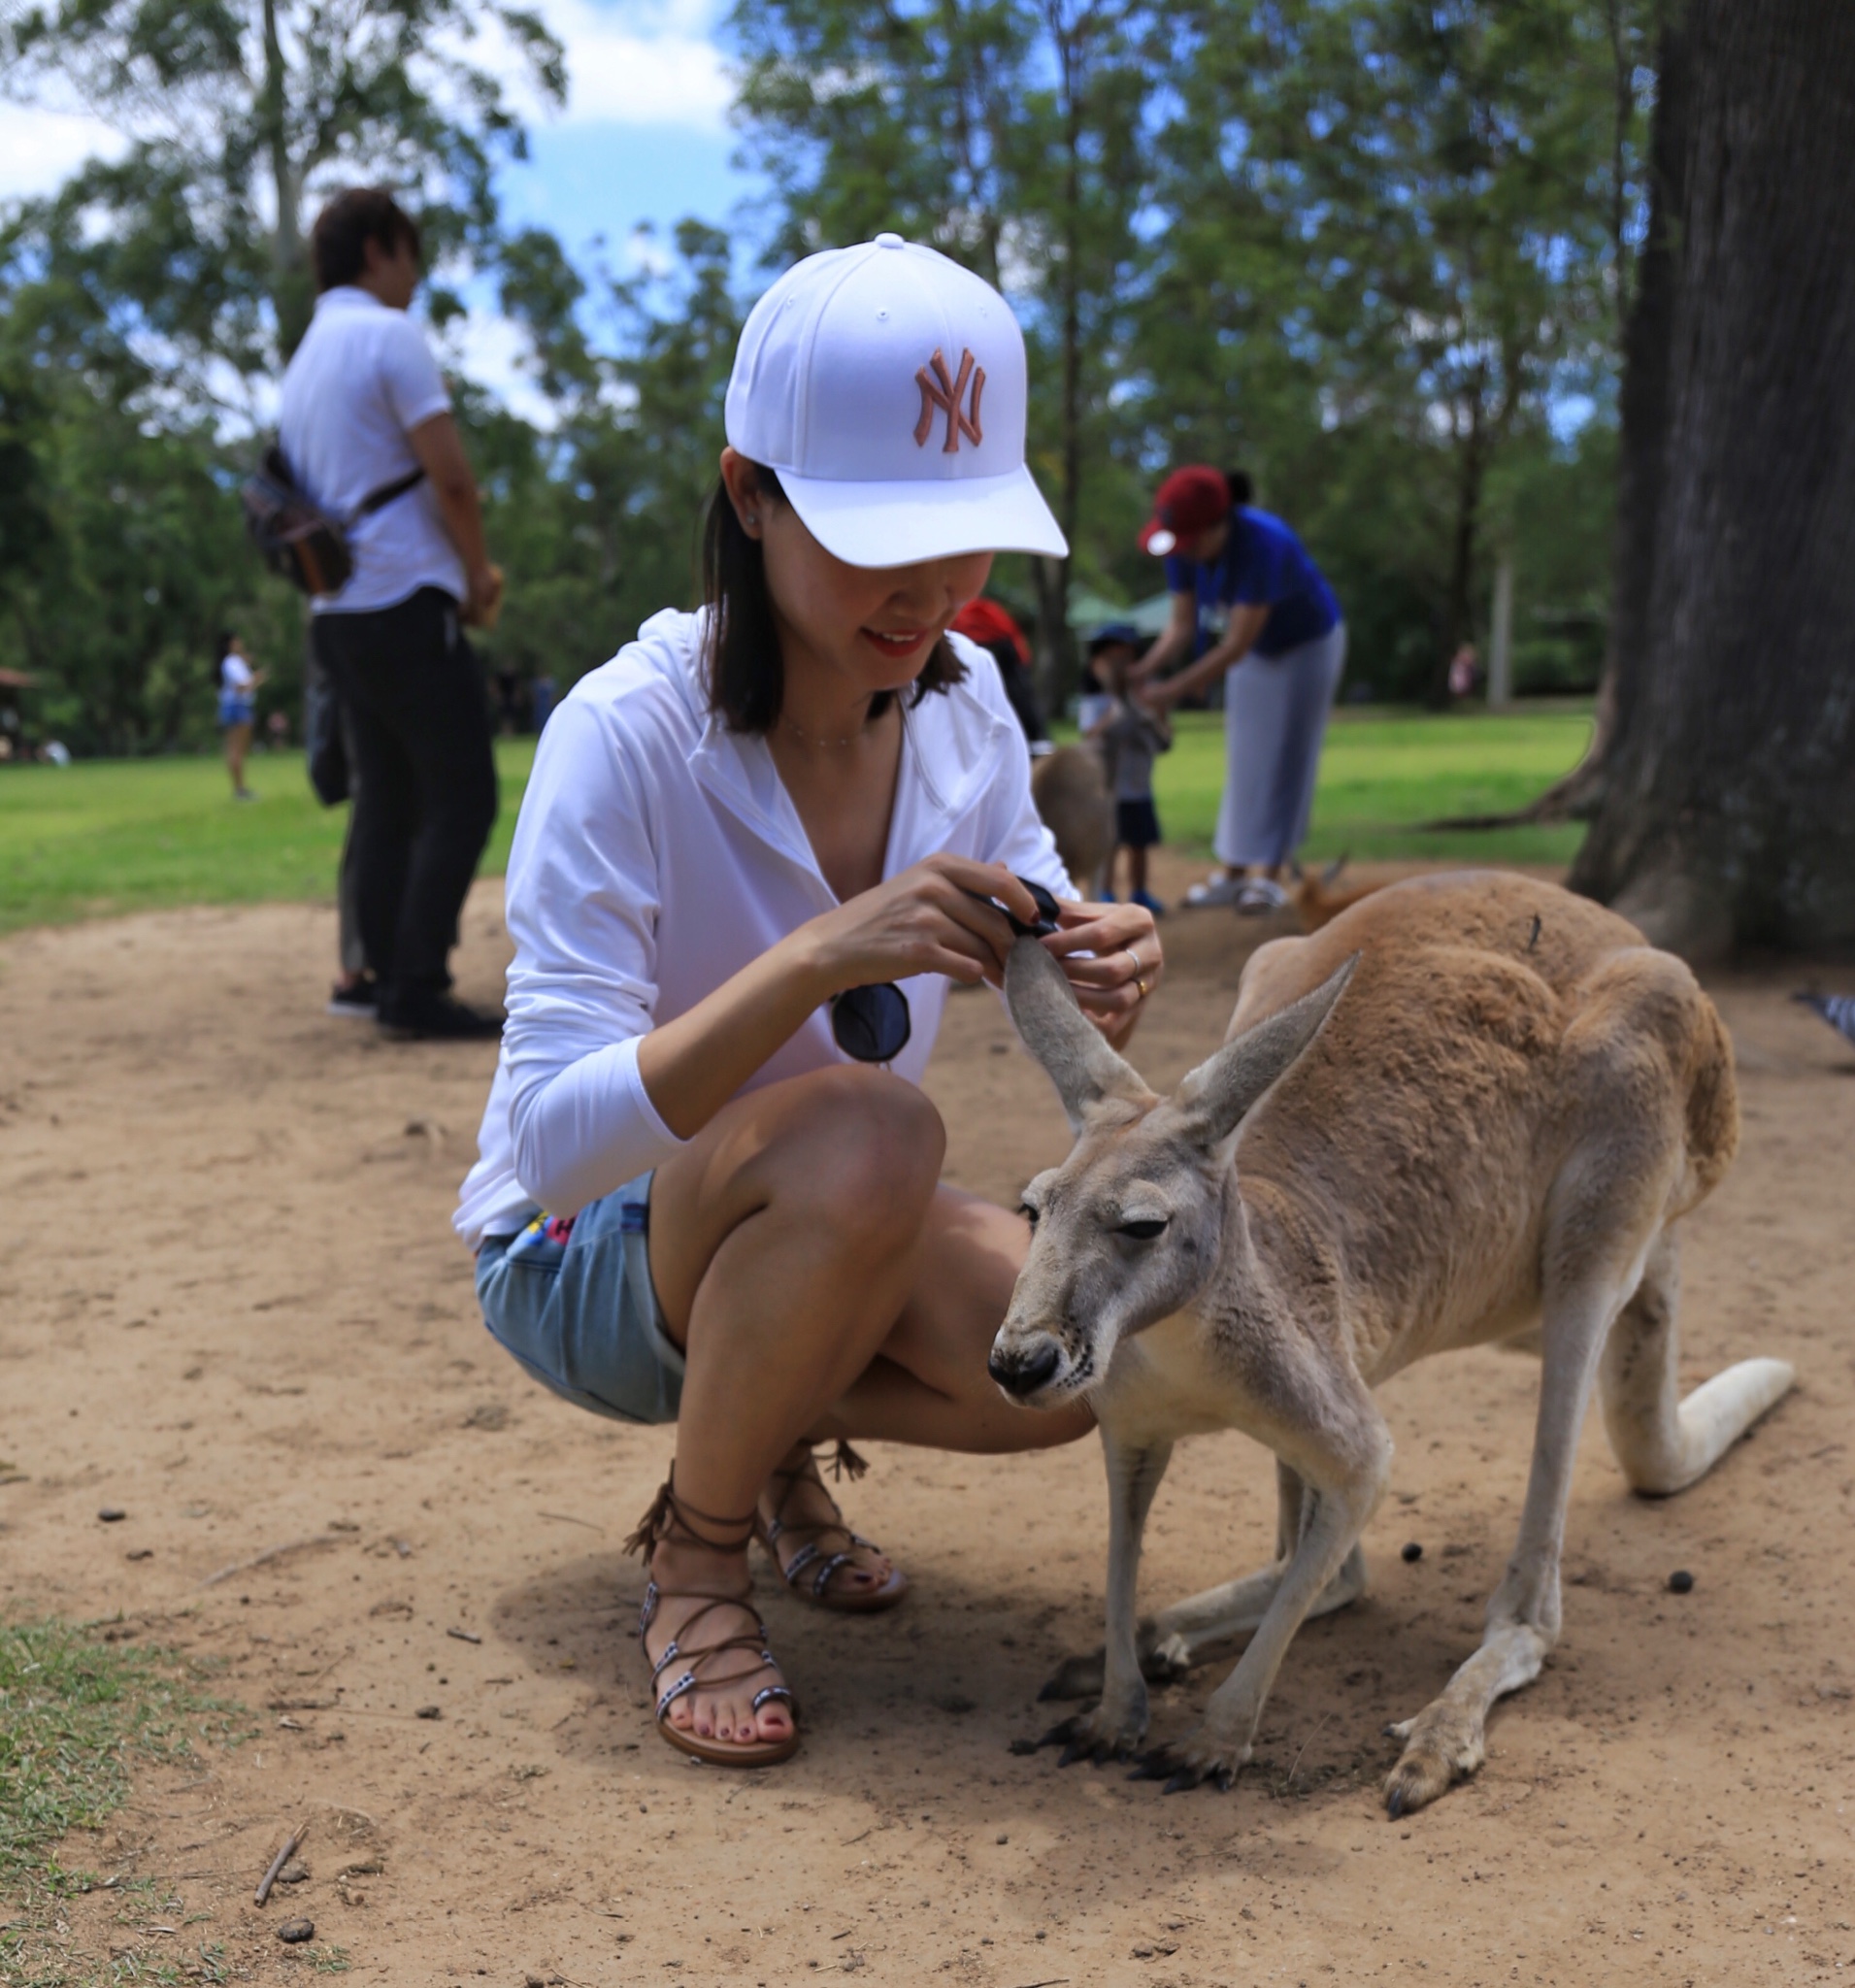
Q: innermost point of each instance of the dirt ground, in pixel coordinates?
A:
(230, 1304)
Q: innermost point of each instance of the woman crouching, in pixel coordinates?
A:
(755, 847)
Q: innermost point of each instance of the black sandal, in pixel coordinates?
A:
(669, 1518)
(813, 1564)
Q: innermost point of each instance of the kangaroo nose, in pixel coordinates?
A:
(1025, 1376)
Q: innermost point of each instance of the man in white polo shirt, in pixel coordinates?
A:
(365, 413)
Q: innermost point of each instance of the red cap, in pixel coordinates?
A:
(1190, 501)
(985, 621)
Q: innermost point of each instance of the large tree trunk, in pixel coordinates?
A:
(1727, 814)
(1472, 464)
(292, 295)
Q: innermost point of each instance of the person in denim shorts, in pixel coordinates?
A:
(755, 847)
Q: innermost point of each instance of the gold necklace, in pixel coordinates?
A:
(800, 733)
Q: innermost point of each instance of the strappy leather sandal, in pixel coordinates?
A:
(671, 1518)
(809, 1570)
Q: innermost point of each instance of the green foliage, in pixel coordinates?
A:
(1396, 236)
(108, 836)
(140, 560)
(1368, 250)
(241, 113)
(596, 524)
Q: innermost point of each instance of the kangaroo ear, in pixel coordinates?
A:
(1217, 1094)
(1332, 873)
(1081, 1066)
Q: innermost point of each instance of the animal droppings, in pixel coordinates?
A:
(110, 1513)
(1413, 1551)
(1680, 1583)
(428, 1712)
(293, 1932)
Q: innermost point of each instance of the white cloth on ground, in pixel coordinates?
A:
(360, 382)
(657, 854)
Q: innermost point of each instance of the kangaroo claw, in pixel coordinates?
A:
(1154, 1764)
(1063, 1733)
(1077, 1749)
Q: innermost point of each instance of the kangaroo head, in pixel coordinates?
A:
(1130, 1228)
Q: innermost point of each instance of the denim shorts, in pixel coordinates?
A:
(573, 1302)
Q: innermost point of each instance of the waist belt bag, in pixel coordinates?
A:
(299, 540)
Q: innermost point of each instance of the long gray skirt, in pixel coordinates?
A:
(1274, 719)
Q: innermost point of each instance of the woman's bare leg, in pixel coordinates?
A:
(929, 1384)
(819, 1284)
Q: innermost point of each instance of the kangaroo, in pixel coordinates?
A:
(1472, 1107)
(1317, 898)
(1071, 792)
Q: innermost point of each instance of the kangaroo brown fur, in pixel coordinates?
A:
(1471, 1107)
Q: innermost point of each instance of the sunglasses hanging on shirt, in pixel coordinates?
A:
(871, 1024)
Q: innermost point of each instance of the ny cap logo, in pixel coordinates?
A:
(942, 392)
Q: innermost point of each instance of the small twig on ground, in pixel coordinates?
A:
(277, 1862)
(1055, 1981)
(1304, 1745)
(568, 1519)
(464, 1634)
(265, 1558)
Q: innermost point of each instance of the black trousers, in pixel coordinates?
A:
(425, 800)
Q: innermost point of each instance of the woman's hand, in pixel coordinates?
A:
(1111, 985)
(934, 918)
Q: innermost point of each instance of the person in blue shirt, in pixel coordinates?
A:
(1281, 652)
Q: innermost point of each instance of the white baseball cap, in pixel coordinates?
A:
(885, 385)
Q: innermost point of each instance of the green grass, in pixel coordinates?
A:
(133, 835)
(109, 836)
(70, 1710)
(1385, 772)
(76, 1716)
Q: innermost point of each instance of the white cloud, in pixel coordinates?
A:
(41, 149)
(641, 62)
(494, 352)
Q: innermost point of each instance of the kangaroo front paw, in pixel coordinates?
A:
(1192, 1764)
(1101, 1733)
(1443, 1746)
(1075, 1677)
(1164, 1663)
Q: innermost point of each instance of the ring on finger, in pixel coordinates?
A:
(1134, 961)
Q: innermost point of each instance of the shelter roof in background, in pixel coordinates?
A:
(1087, 611)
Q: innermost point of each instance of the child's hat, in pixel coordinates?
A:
(885, 385)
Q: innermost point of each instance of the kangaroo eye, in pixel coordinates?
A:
(1142, 1232)
(1028, 1213)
